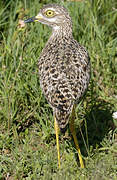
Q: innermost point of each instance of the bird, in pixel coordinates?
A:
(64, 70)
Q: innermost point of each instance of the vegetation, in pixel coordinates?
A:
(27, 138)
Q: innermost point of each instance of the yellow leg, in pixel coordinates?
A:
(72, 129)
(57, 140)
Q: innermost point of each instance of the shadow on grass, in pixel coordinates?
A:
(98, 123)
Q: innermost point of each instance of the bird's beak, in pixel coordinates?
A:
(33, 19)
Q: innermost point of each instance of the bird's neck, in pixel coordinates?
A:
(61, 32)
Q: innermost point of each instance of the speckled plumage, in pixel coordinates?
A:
(64, 67)
(64, 70)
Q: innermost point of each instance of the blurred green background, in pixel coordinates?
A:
(27, 138)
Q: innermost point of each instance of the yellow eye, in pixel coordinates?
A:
(49, 13)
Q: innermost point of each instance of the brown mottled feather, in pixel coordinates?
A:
(64, 68)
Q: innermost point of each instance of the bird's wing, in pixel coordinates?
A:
(61, 95)
(65, 79)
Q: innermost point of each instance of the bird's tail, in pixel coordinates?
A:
(62, 118)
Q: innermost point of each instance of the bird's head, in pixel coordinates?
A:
(52, 15)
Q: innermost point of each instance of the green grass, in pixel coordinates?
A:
(27, 138)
